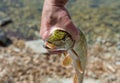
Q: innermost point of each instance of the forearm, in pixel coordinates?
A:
(56, 2)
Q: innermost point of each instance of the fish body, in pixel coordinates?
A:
(61, 42)
(79, 60)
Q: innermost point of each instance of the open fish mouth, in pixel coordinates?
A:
(52, 49)
(49, 46)
(59, 42)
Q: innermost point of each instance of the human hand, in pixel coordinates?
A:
(55, 16)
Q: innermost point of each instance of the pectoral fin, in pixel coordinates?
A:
(59, 55)
(67, 61)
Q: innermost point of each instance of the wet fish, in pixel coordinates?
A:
(75, 51)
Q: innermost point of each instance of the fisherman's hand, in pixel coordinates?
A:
(55, 15)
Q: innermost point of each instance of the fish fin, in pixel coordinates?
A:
(59, 55)
(75, 80)
(65, 54)
(79, 66)
(67, 61)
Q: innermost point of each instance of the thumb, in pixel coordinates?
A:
(44, 35)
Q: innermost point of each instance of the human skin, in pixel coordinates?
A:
(56, 16)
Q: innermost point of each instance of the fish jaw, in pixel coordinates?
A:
(51, 49)
(49, 45)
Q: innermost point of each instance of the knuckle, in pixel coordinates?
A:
(52, 19)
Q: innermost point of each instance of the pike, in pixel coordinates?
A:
(75, 51)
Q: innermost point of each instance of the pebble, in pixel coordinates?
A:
(36, 46)
(4, 40)
(16, 49)
(117, 63)
(5, 21)
(108, 44)
(91, 80)
(110, 67)
(118, 46)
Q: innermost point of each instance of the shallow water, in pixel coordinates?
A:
(95, 17)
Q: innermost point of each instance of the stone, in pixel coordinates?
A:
(5, 21)
(36, 46)
(70, 80)
(4, 40)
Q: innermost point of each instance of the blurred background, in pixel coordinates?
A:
(20, 44)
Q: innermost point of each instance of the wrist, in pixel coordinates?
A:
(56, 2)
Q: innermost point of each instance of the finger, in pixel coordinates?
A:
(67, 25)
(45, 29)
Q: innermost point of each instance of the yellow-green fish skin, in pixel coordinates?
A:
(57, 35)
(80, 48)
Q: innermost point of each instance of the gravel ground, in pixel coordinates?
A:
(20, 64)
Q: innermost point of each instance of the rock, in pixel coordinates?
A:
(108, 44)
(36, 46)
(90, 80)
(69, 80)
(117, 63)
(59, 80)
(2, 14)
(5, 21)
(94, 6)
(118, 46)
(4, 40)
(19, 43)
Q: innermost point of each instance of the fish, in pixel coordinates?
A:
(75, 51)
